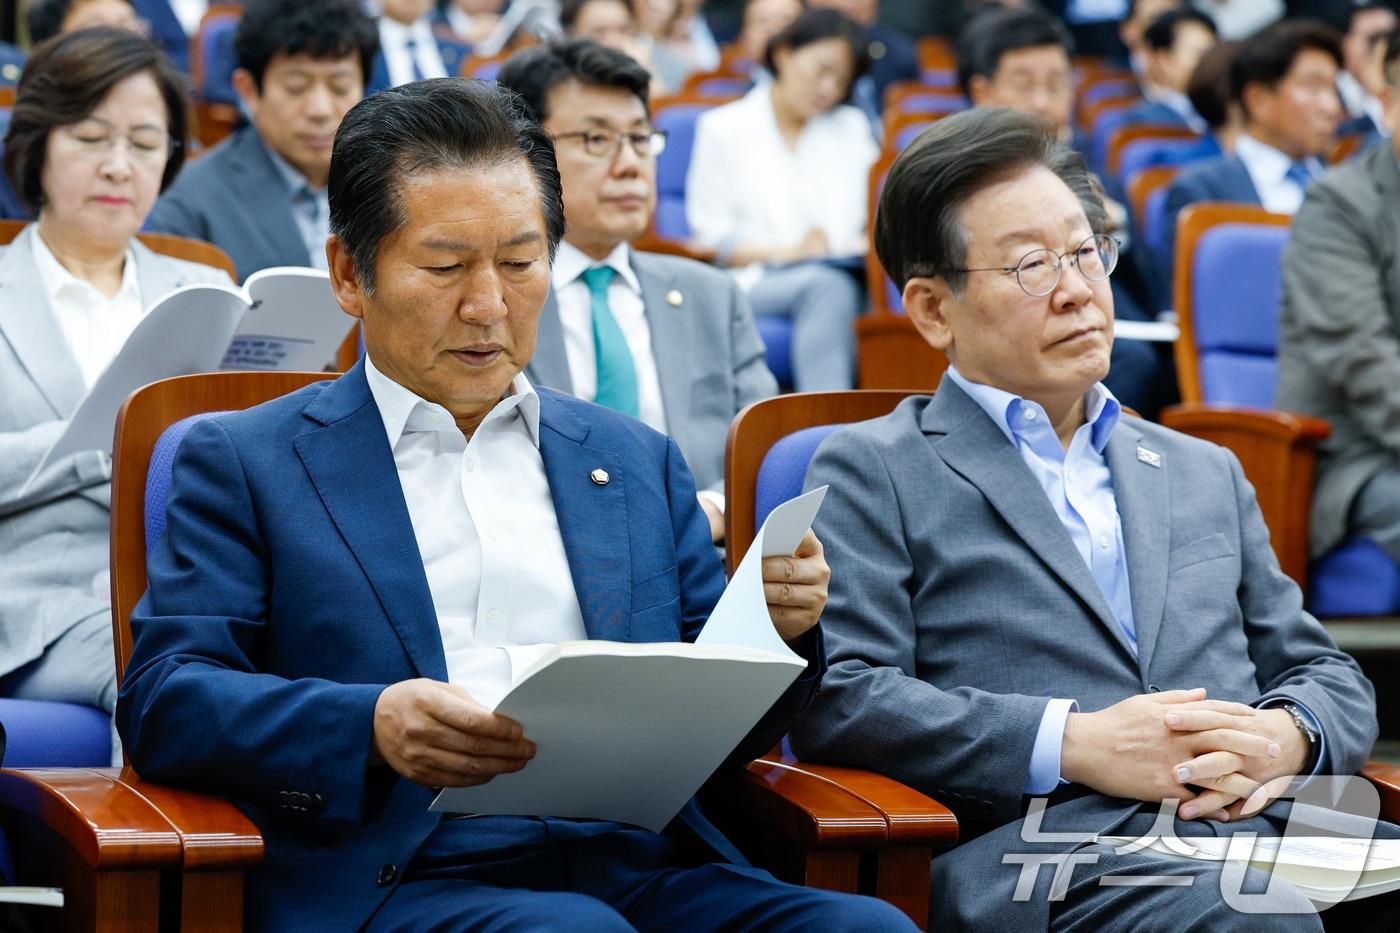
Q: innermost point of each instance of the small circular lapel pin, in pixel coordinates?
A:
(674, 298)
(599, 477)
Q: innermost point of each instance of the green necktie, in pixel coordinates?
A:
(617, 375)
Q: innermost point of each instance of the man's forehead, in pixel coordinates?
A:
(439, 202)
(304, 61)
(1035, 58)
(575, 101)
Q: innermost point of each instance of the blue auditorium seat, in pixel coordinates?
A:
(678, 120)
(784, 469)
(159, 474)
(48, 734)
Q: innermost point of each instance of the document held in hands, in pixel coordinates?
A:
(282, 318)
(629, 732)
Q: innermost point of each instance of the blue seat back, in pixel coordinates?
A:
(672, 166)
(220, 60)
(784, 469)
(1145, 153)
(1235, 293)
(159, 474)
(775, 330)
(1154, 220)
(1356, 578)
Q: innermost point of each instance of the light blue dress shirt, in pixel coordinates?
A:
(311, 209)
(1079, 485)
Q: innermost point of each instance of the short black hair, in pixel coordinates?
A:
(1160, 34)
(817, 25)
(1209, 85)
(535, 71)
(991, 34)
(1269, 53)
(420, 127)
(1367, 6)
(570, 9)
(66, 79)
(319, 28)
(918, 224)
(45, 18)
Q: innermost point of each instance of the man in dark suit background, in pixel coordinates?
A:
(1173, 44)
(345, 572)
(690, 357)
(410, 49)
(260, 195)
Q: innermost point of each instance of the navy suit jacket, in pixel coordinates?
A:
(234, 198)
(288, 591)
(453, 54)
(166, 30)
(1220, 179)
(1152, 112)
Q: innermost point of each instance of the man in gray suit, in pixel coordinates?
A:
(666, 339)
(260, 195)
(1339, 341)
(1036, 594)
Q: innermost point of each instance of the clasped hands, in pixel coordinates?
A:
(437, 734)
(1221, 760)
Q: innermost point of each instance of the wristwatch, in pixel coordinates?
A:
(1305, 727)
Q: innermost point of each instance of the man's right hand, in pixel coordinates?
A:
(435, 734)
(1126, 750)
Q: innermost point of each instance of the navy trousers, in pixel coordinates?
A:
(573, 875)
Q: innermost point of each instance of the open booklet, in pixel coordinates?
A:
(282, 318)
(629, 732)
(1328, 869)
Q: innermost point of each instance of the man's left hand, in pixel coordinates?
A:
(795, 587)
(1235, 786)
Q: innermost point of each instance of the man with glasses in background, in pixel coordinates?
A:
(1036, 594)
(668, 340)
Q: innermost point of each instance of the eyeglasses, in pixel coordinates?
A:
(1038, 272)
(604, 144)
(95, 138)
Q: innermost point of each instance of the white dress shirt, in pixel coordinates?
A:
(746, 184)
(189, 13)
(94, 325)
(486, 530)
(393, 41)
(1268, 169)
(625, 302)
(1358, 101)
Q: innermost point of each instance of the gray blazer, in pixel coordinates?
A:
(1339, 337)
(234, 198)
(53, 540)
(709, 357)
(959, 606)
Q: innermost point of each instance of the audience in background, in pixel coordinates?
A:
(1339, 346)
(893, 56)
(1238, 19)
(613, 23)
(664, 339)
(470, 21)
(172, 24)
(1209, 91)
(261, 194)
(763, 19)
(778, 185)
(1360, 82)
(48, 18)
(1141, 13)
(1173, 45)
(691, 39)
(98, 130)
(410, 49)
(1284, 81)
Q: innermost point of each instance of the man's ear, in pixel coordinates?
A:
(1257, 100)
(246, 87)
(926, 301)
(349, 293)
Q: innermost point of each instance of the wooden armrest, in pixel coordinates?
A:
(1386, 778)
(214, 834)
(1277, 450)
(94, 815)
(828, 807)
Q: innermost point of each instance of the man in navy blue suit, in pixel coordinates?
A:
(348, 572)
(410, 49)
(1285, 81)
(1173, 44)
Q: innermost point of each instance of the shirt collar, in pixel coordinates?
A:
(1264, 161)
(1179, 104)
(296, 181)
(421, 31)
(57, 279)
(570, 262)
(398, 404)
(1101, 408)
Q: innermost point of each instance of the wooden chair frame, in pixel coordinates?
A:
(1090, 113)
(1119, 139)
(1143, 183)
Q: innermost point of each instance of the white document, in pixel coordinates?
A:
(42, 897)
(1325, 868)
(1151, 331)
(629, 732)
(283, 318)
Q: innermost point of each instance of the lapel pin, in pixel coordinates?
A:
(599, 477)
(674, 298)
(1151, 458)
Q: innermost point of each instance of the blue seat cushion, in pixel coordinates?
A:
(775, 331)
(158, 474)
(1356, 578)
(784, 469)
(48, 734)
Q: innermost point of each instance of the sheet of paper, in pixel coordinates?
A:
(186, 332)
(741, 615)
(294, 322)
(1150, 331)
(42, 897)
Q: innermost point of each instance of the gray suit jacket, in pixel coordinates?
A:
(709, 357)
(959, 606)
(1339, 338)
(234, 198)
(53, 539)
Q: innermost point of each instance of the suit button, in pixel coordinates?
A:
(387, 874)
